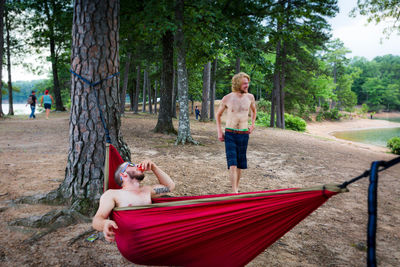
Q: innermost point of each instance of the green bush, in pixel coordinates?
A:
(295, 123)
(394, 145)
(264, 105)
(364, 108)
(332, 114)
(263, 119)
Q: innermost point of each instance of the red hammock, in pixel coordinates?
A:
(213, 230)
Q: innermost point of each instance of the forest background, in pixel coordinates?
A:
(267, 40)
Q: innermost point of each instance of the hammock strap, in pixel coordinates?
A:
(108, 139)
(376, 167)
(384, 164)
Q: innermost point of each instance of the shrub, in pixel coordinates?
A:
(394, 145)
(295, 123)
(263, 119)
(332, 114)
(264, 105)
(364, 108)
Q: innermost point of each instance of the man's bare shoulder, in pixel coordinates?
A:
(250, 96)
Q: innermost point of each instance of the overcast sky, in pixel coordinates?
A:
(364, 40)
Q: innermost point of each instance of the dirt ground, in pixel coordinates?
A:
(33, 156)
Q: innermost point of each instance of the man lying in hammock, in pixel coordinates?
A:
(129, 176)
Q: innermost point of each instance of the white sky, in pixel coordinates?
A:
(364, 40)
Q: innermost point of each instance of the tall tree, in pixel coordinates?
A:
(136, 108)
(51, 26)
(206, 91)
(125, 83)
(2, 5)
(145, 80)
(212, 88)
(164, 122)
(184, 134)
(96, 22)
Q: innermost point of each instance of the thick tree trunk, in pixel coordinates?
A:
(144, 90)
(164, 122)
(54, 58)
(136, 108)
(212, 89)
(10, 93)
(237, 65)
(126, 79)
(206, 91)
(2, 3)
(184, 134)
(95, 21)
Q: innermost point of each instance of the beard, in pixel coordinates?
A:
(135, 175)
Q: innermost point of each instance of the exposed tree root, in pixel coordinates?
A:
(183, 139)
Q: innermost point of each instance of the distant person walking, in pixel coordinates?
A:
(47, 100)
(238, 104)
(32, 102)
(197, 112)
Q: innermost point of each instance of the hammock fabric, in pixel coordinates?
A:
(212, 230)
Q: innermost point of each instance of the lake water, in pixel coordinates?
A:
(378, 137)
(20, 109)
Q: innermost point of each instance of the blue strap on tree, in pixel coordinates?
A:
(108, 139)
(372, 213)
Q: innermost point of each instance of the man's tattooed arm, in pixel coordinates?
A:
(161, 190)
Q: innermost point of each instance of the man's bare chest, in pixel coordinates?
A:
(239, 104)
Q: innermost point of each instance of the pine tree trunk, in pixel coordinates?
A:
(164, 122)
(237, 65)
(132, 92)
(10, 93)
(155, 97)
(144, 90)
(149, 93)
(174, 94)
(184, 134)
(136, 108)
(95, 21)
(54, 58)
(206, 91)
(2, 4)
(212, 89)
(126, 79)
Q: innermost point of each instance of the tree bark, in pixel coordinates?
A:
(136, 108)
(54, 57)
(144, 90)
(132, 92)
(212, 91)
(2, 4)
(95, 35)
(10, 93)
(184, 134)
(174, 94)
(155, 97)
(237, 65)
(164, 122)
(206, 91)
(149, 93)
(126, 79)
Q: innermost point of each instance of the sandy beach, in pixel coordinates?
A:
(33, 156)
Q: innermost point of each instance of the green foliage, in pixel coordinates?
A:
(394, 145)
(364, 108)
(264, 105)
(263, 119)
(295, 123)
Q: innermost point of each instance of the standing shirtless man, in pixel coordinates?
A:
(236, 137)
(129, 176)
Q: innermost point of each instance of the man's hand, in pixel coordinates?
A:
(108, 230)
(147, 165)
(221, 136)
(251, 128)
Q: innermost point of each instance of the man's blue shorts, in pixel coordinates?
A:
(235, 148)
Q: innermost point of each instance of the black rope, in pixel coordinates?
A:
(372, 213)
(108, 139)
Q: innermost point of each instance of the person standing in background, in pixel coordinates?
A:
(32, 101)
(47, 100)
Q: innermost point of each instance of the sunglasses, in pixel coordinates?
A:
(126, 167)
